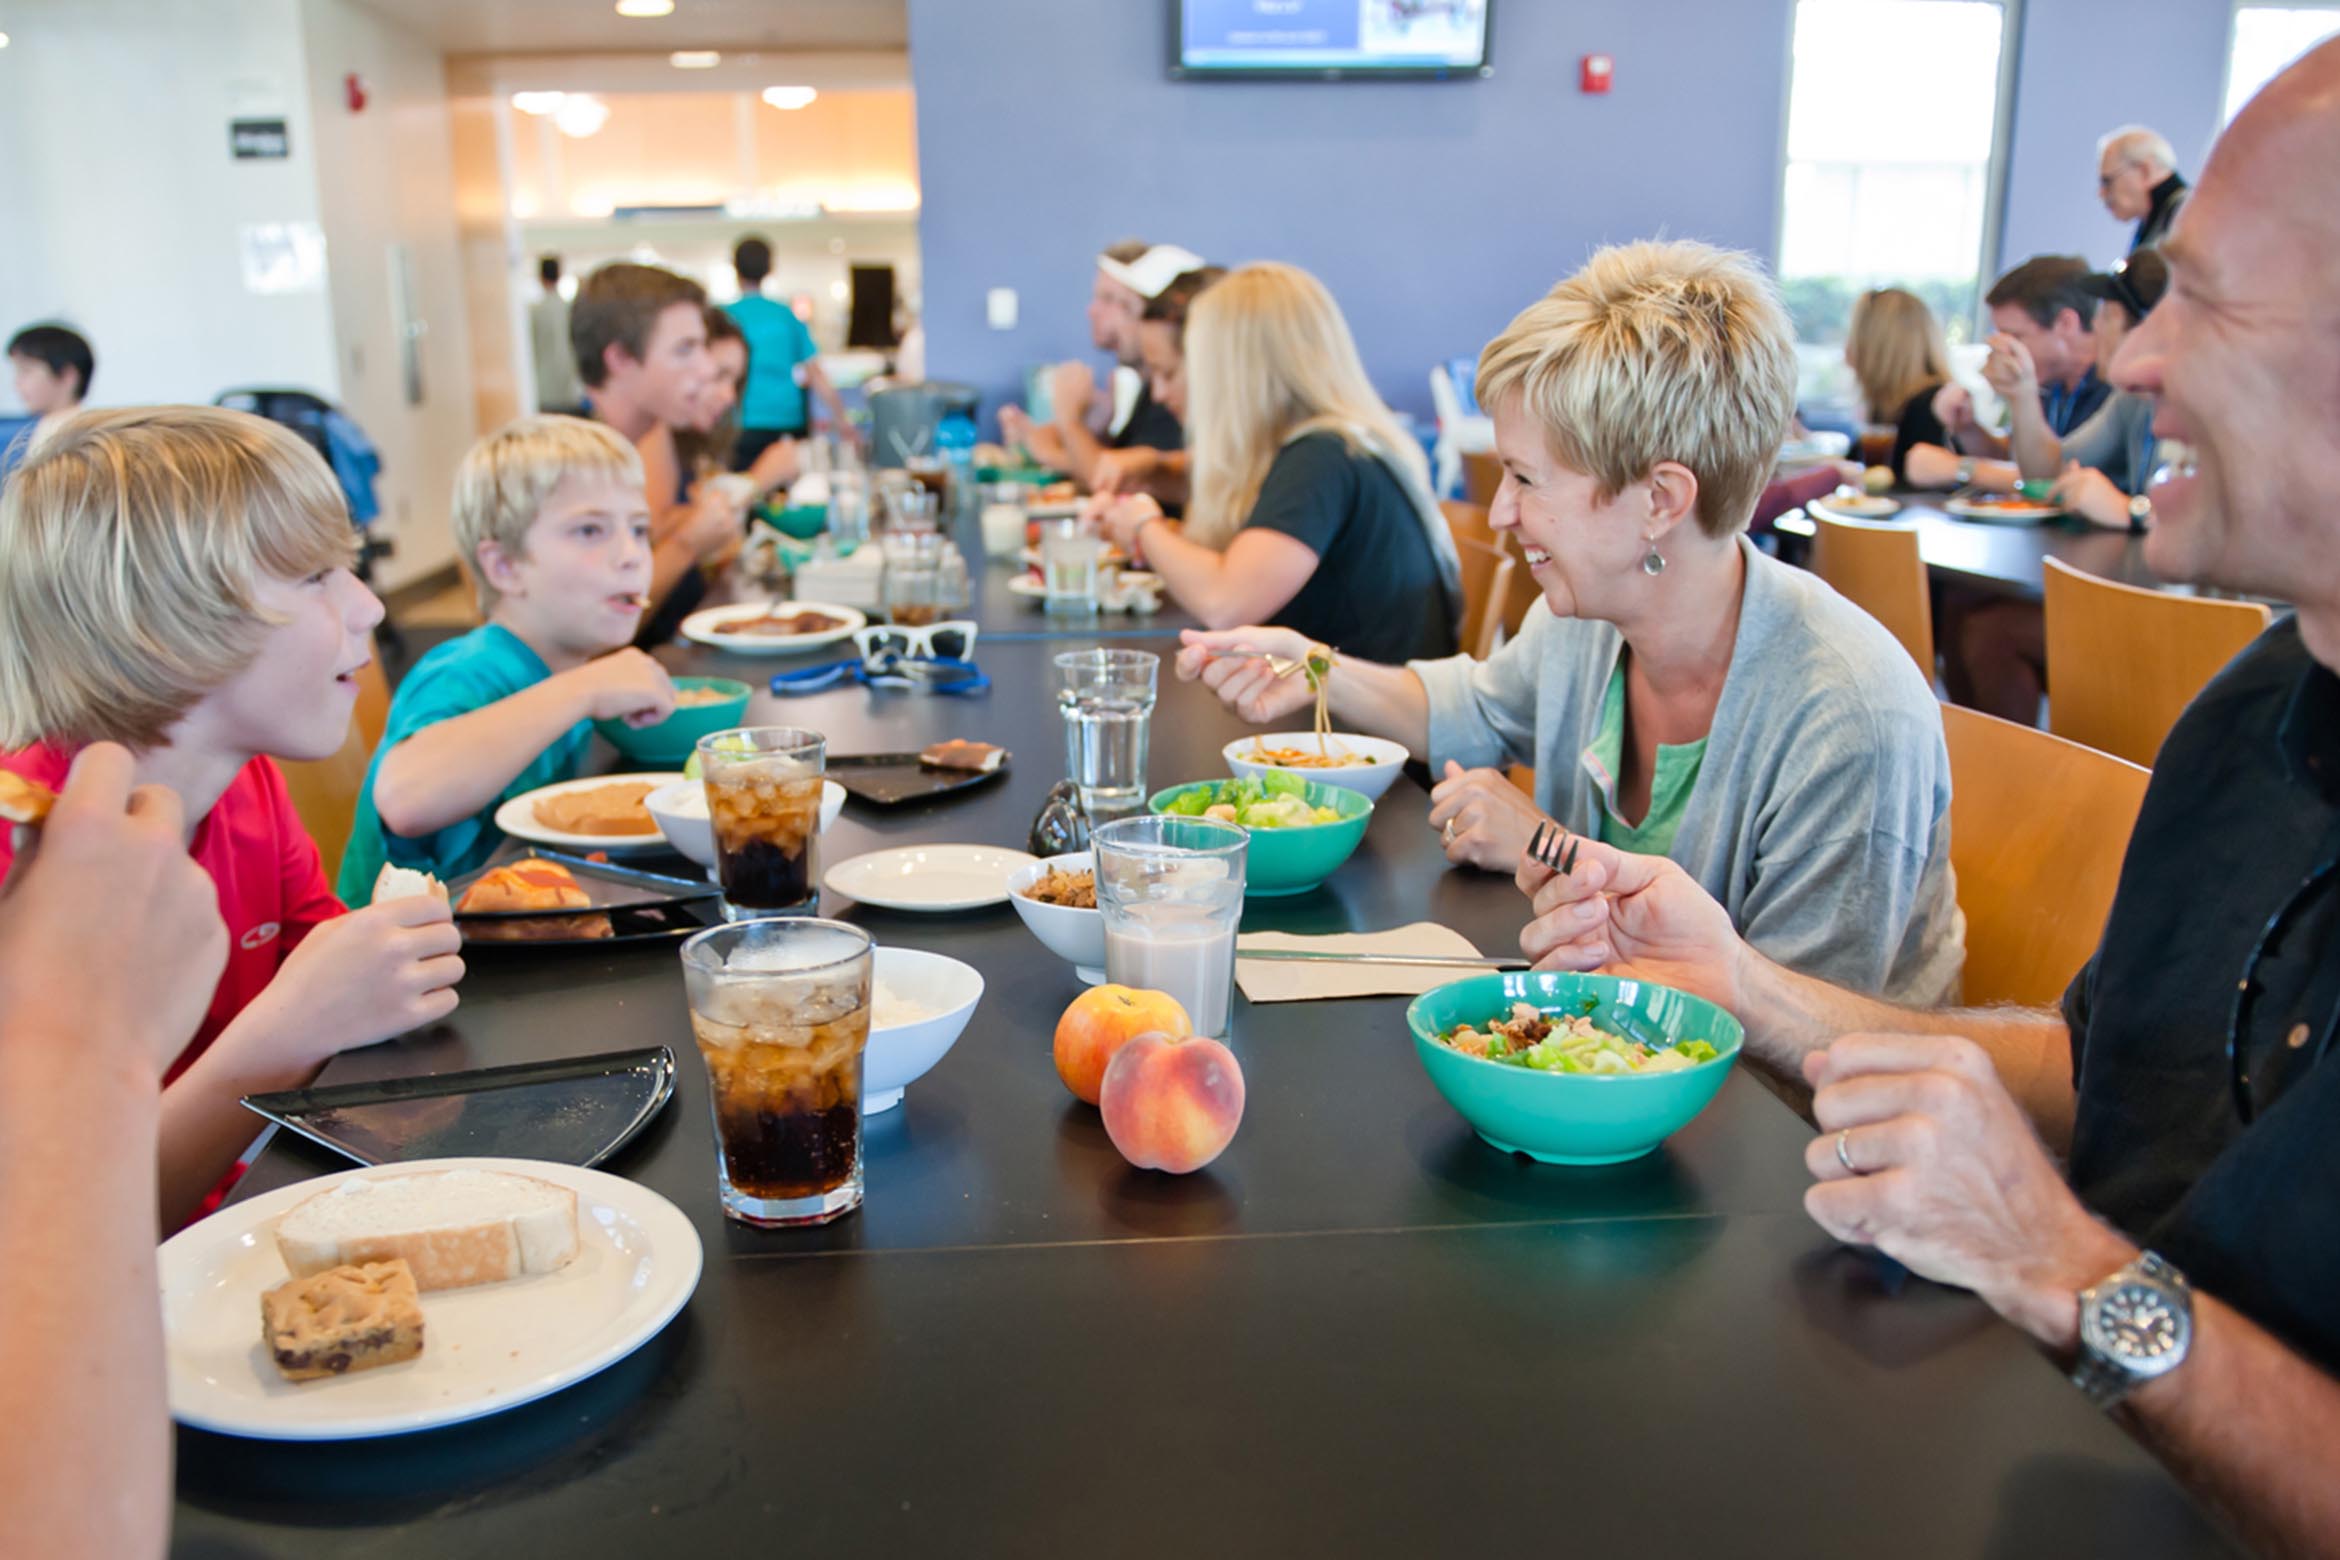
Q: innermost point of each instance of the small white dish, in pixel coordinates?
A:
(681, 811)
(700, 627)
(517, 817)
(934, 879)
(1028, 586)
(1367, 780)
(1856, 506)
(1073, 935)
(485, 1349)
(901, 1054)
(2001, 509)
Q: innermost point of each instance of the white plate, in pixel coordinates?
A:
(1869, 506)
(928, 877)
(1968, 509)
(699, 627)
(1030, 589)
(1114, 558)
(485, 1349)
(517, 817)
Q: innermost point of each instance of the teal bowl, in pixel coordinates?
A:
(1574, 1118)
(1293, 861)
(668, 744)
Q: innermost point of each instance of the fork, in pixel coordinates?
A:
(1276, 664)
(1544, 848)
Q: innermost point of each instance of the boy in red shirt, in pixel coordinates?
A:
(176, 579)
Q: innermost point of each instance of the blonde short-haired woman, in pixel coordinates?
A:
(1894, 346)
(1310, 507)
(1678, 692)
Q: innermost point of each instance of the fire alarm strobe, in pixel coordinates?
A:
(1594, 73)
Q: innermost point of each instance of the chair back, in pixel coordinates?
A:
(1486, 576)
(2038, 828)
(1878, 569)
(325, 792)
(1482, 475)
(2124, 662)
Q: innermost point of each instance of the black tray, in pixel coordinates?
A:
(574, 1112)
(891, 779)
(642, 906)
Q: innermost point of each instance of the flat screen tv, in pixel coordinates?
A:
(1328, 40)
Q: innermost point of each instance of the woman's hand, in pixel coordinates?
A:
(1482, 818)
(2091, 495)
(1120, 519)
(1232, 663)
(1125, 471)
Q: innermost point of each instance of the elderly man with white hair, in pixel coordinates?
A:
(2137, 179)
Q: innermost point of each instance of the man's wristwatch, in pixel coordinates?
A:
(2134, 1326)
(2140, 512)
(1966, 471)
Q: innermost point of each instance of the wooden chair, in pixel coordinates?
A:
(325, 792)
(2123, 662)
(1466, 519)
(1482, 475)
(2038, 827)
(1486, 578)
(1878, 569)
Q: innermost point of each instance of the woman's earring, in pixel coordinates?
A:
(1653, 562)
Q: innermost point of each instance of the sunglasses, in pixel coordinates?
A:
(883, 646)
(2124, 292)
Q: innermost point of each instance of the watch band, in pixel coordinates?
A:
(1965, 473)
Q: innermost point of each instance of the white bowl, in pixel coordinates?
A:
(1367, 780)
(681, 810)
(1075, 936)
(901, 1054)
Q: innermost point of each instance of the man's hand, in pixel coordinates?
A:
(1071, 386)
(1482, 818)
(1950, 1180)
(714, 522)
(357, 979)
(2010, 371)
(1639, 916)
(624, 685)
(111, 935)
(2091, 495)
(1232, 663)
(1015, 428)
(1125, 471)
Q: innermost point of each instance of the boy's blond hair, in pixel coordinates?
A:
(1657, 351)
(506, 477)
(131, 542)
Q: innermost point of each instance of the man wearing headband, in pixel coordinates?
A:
(1129, 276)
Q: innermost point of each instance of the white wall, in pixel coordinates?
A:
(126, 214)
(387, 182)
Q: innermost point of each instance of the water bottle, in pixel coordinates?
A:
(954, 441)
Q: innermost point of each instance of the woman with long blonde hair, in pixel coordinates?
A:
(1894, 346)
(1310, 506)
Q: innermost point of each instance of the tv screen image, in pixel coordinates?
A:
(1329, 38)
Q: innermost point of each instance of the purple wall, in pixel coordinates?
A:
(1434, 211)
(2089, 66)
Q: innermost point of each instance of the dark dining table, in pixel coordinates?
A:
(2008, 560)
(1362, 1331)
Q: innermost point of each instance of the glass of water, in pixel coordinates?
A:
(1069, 563)
(1170, 891)
(1107, 698)
(848, 511)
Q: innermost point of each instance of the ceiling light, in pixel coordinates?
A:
(790, 97)
(644, 9)
(694, 59)
(3, 40)
(538, 102)
(581, 114)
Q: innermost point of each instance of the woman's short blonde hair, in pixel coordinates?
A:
(1269, 359)
(506, 477)
(1895, 348)
(1657, 352)
(131, 543)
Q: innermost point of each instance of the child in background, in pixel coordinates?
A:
(550, 519)
(176, 579)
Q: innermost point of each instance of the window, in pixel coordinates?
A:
(1881, 190)
(2267, 38)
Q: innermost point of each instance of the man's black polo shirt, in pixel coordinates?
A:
(2239, 831)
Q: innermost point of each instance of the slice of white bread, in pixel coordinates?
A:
(405, 883)
(453, 1227)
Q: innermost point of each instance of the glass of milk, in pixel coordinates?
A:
(1171, 894)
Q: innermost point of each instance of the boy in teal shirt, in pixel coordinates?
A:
(772, 404)
(550, 518)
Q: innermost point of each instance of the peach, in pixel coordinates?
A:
(1100, 1022)
(1172, 1104)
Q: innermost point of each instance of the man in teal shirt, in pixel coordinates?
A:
(772, 403)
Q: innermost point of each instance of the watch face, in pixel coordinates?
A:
(2135, 1325)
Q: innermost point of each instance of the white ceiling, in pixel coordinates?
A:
(591, 26)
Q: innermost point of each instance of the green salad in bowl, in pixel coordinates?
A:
(1301, 830)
